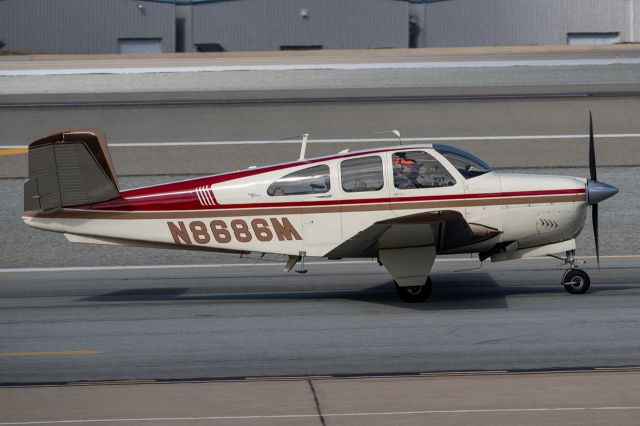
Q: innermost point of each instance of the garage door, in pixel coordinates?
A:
(593, 38)
(140, 45)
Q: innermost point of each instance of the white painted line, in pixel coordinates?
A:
(267, 263)
(335, 66)
(302, 416)
(426, 139)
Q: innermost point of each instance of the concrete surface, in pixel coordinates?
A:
(601, 397)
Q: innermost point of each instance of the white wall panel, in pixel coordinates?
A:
(524, 22)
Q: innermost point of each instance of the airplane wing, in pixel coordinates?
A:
(444, 229)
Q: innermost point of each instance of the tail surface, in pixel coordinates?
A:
(69, 168)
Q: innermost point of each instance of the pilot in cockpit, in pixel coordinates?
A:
(406, 173)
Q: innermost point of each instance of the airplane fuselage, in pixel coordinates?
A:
(235, 211)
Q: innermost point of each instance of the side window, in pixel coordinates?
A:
(362, 174)
(313, 180)
(417, 169)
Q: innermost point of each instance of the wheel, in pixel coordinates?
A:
(576, 281)
(415, 294)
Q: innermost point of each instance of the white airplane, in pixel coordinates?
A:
(402, 205)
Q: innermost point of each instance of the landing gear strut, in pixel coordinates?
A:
(575, 281)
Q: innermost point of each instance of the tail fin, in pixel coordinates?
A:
(69, 168)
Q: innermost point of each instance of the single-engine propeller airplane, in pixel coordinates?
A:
(402, 205)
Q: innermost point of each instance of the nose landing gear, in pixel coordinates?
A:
(575, 281)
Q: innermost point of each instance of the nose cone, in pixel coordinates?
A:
(598, 192)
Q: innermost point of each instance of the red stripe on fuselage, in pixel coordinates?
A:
(187, 203)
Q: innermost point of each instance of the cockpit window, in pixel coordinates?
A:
(467, 164)
(417, 169)
(313, 180)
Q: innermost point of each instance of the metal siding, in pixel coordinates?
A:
(634, 18)
(83, 26)
(333, 24)
(520, 22)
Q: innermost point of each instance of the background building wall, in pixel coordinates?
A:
(332, 24)
(96, 26)
(523, 22)
(83, 26)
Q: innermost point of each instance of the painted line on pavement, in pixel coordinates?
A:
(326, 66)
(262, 264)
(13, 151)
(60, 353)
(427, 139)
(302, 416)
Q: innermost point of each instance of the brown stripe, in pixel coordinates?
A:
(94, 214)
(528, 200)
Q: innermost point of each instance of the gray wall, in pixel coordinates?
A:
(334, 24)
(94, 26)
(83, 26)
(523, 22)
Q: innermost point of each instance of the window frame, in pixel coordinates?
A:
(328, 190)
(429, 153)
(381, 157)
(442, 150)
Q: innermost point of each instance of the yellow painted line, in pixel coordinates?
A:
(61, 353)
(13, 151)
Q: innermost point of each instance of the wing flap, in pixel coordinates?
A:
(444, 229)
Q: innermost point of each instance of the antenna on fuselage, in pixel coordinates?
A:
(303, 148)
(394, 131)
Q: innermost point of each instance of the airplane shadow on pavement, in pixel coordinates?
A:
(450, 292)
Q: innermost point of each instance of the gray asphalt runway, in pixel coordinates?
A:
(272, 122)
(271, 105)
(340, 318)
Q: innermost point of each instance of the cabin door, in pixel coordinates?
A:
(364, 194)
(321, 214)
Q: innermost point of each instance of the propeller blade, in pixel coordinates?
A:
(592, 151)
(594, 218)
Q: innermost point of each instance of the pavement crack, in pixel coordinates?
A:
(315, 399)
(503, 339)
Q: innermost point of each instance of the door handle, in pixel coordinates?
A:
(323, 196)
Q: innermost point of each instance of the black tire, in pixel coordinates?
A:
(415, 294)
(576, 281)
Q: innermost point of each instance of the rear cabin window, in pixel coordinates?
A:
(313, 180)
(362, 174)
(417, 169)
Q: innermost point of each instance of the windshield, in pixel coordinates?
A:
(467, 164)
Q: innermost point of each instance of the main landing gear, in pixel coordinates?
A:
(416, 293)
(575, 281)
